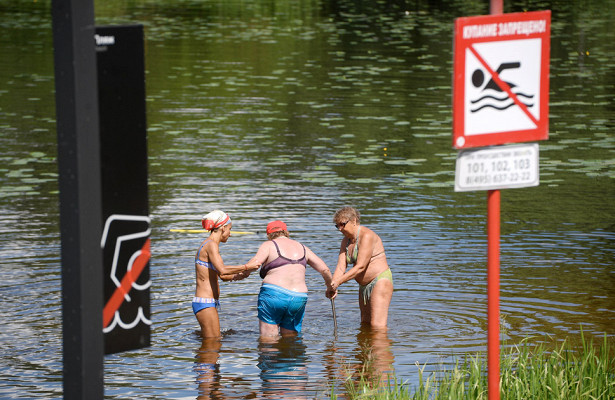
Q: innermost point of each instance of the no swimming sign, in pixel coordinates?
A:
(501, 79)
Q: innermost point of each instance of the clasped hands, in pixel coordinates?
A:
(332, 290)
(249, 268)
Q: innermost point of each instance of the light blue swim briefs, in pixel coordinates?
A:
(201, 303)
(283, 307)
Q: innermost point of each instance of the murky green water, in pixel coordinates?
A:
(289, 110)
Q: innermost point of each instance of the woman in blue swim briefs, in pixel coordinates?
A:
(363, 249)
(283, 295)
(209, 266)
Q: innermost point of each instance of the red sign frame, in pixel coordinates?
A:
(473, 36)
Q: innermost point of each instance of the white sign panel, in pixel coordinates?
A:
(491, 168)
(488, 108)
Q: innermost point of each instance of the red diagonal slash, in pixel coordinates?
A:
(504, 86)
(131, 276)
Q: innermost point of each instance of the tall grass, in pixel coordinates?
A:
(567, 371)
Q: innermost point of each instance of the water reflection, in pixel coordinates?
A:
(373, 364)
(283, 367)
(374, 354)
(372, 361)
(207, 369)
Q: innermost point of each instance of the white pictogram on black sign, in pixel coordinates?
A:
(122, 243)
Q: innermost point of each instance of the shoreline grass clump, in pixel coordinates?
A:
(565, 371)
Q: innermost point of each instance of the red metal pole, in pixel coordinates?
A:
(493, 274)
(493, 294)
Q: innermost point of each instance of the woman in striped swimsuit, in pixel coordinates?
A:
(209, 266)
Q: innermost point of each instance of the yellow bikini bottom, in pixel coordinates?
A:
(365, 291)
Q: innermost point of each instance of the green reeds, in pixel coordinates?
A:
(567, 372)
(563, 371)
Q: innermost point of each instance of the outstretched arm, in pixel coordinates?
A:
(340, 269)
(319, 265)
(261, 255)
(252, 265)
(235, 277)
(225, 270)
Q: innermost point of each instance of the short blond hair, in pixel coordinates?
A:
(347, 214)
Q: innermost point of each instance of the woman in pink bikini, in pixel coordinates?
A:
(209, 266)
(283, 295)
(363, 249)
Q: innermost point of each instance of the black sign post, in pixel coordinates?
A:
(80, 199)
(125, 239)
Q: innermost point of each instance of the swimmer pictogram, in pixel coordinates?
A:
(492, 95)
(501, 79)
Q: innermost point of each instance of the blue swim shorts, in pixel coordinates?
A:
(283, 307)
(201, 303)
